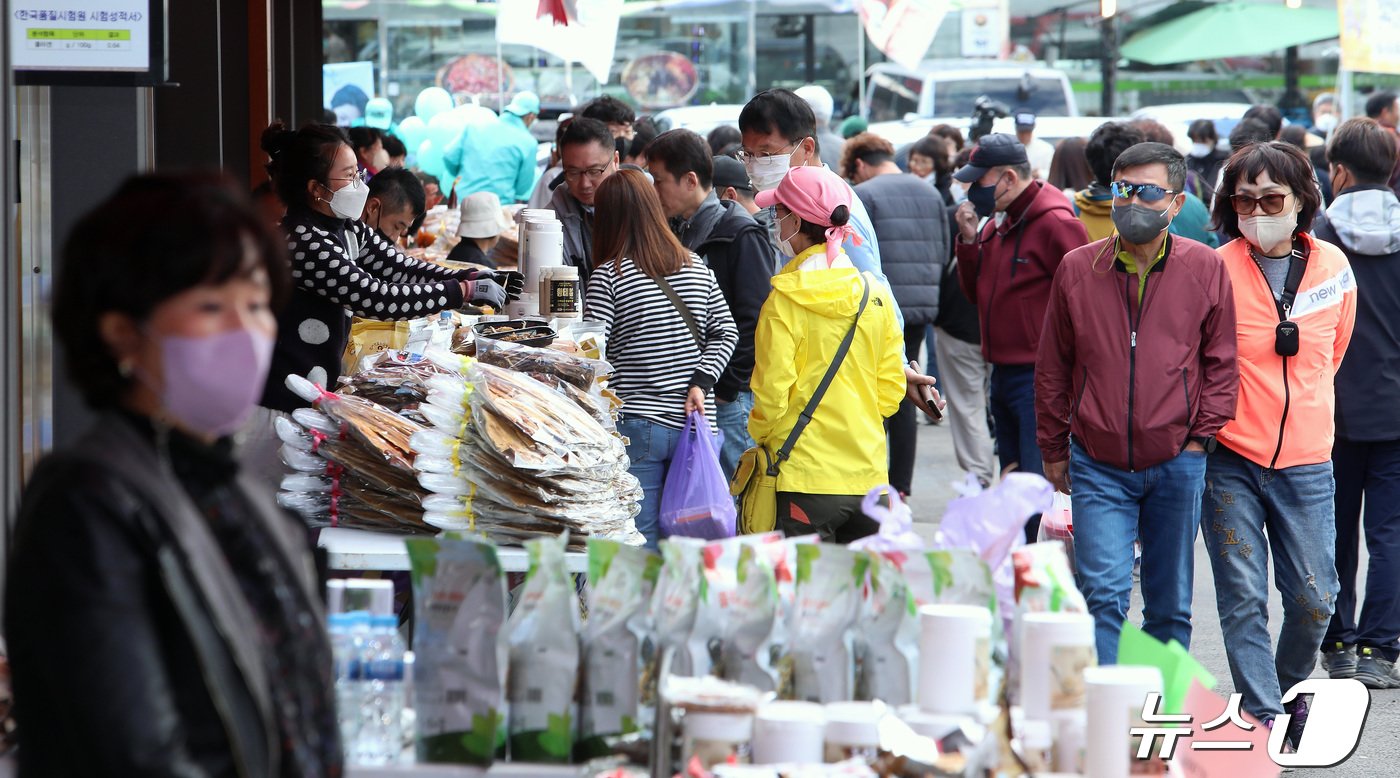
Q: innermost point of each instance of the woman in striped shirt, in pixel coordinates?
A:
(665, 368)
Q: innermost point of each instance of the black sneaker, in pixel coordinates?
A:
(1375, 671)
(1339, 661)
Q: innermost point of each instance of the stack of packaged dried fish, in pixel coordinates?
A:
(512, 458)
(397, 380)
(577, 377)
(352, 464)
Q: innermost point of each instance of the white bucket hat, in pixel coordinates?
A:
(482, 216)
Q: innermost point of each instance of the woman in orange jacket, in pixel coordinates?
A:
(1269, 483)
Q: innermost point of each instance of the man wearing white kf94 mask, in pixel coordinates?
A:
(779, 132)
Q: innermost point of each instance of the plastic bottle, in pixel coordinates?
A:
(380, 739)
(348, 632)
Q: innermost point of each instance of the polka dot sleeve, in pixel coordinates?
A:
(384, 261)
(320, 264)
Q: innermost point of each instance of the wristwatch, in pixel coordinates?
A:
(1208, 442)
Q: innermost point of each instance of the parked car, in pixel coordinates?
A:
(700, 118)
(943, 88)
(1048, 128)
(1178, 118)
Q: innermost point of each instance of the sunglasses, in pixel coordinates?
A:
(1148, 193)
(1271, 203)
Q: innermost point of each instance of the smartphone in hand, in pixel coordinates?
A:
(928, 398)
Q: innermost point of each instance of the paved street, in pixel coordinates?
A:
(1379, 751)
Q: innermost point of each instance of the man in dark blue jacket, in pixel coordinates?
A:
(737, 250)
(1364, 221)
(909, 218)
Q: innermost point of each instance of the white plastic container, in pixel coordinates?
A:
(544, 247)
(1056, 648)
(717, 738)
(1069, 736)
(1115, 697)
(950, 639)
(853, 731)
(789, 732)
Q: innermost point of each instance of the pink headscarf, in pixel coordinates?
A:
(813, 193)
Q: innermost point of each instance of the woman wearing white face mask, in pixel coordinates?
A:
(1269, 484)
(341, 266)
(145, 564)
(824, 312)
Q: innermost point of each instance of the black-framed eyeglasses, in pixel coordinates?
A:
(1272, 204)
(1148, 193)
(592, 174)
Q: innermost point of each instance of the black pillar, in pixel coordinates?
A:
(809, 37)
(1108, 29)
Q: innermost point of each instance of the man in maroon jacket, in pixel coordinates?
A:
(1135, 375)
(1006, 269)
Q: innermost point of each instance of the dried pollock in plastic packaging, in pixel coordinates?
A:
(460, 649)
(887, 634)
(830, 579)
(674, 604)
(738, 607)
(544, 657)
(619, 579)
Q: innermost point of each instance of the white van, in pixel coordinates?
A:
(947, 89)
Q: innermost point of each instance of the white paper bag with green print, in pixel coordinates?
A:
(544, 657)
(827, 599)
(459, 598)
(619, 578)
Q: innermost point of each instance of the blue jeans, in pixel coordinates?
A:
(1371, 470)
(733, 420)
(1161, 505)
(650, 448)
(1013, 413)
(1248, 509)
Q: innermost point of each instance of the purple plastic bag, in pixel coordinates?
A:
(695, 502)
(992, 523)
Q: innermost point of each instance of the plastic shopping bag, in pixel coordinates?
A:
(896, 523)
(1058, 524)
(695, 500)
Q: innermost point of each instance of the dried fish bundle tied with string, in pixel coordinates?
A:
(396, 380)
(351, 462)
(512, 457)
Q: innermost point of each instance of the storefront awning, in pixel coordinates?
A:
(1229, 30)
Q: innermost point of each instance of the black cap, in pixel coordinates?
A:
(1025, 118)
(730, 172)
(992, 151)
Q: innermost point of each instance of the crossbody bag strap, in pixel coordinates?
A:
(805, 417)
(683, 309)
(1297, 265)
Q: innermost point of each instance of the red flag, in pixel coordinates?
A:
(561, 12)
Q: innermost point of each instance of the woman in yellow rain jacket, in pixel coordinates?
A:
(816, 299)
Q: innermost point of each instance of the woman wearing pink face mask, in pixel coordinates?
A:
(823, 312)
(162, 612)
